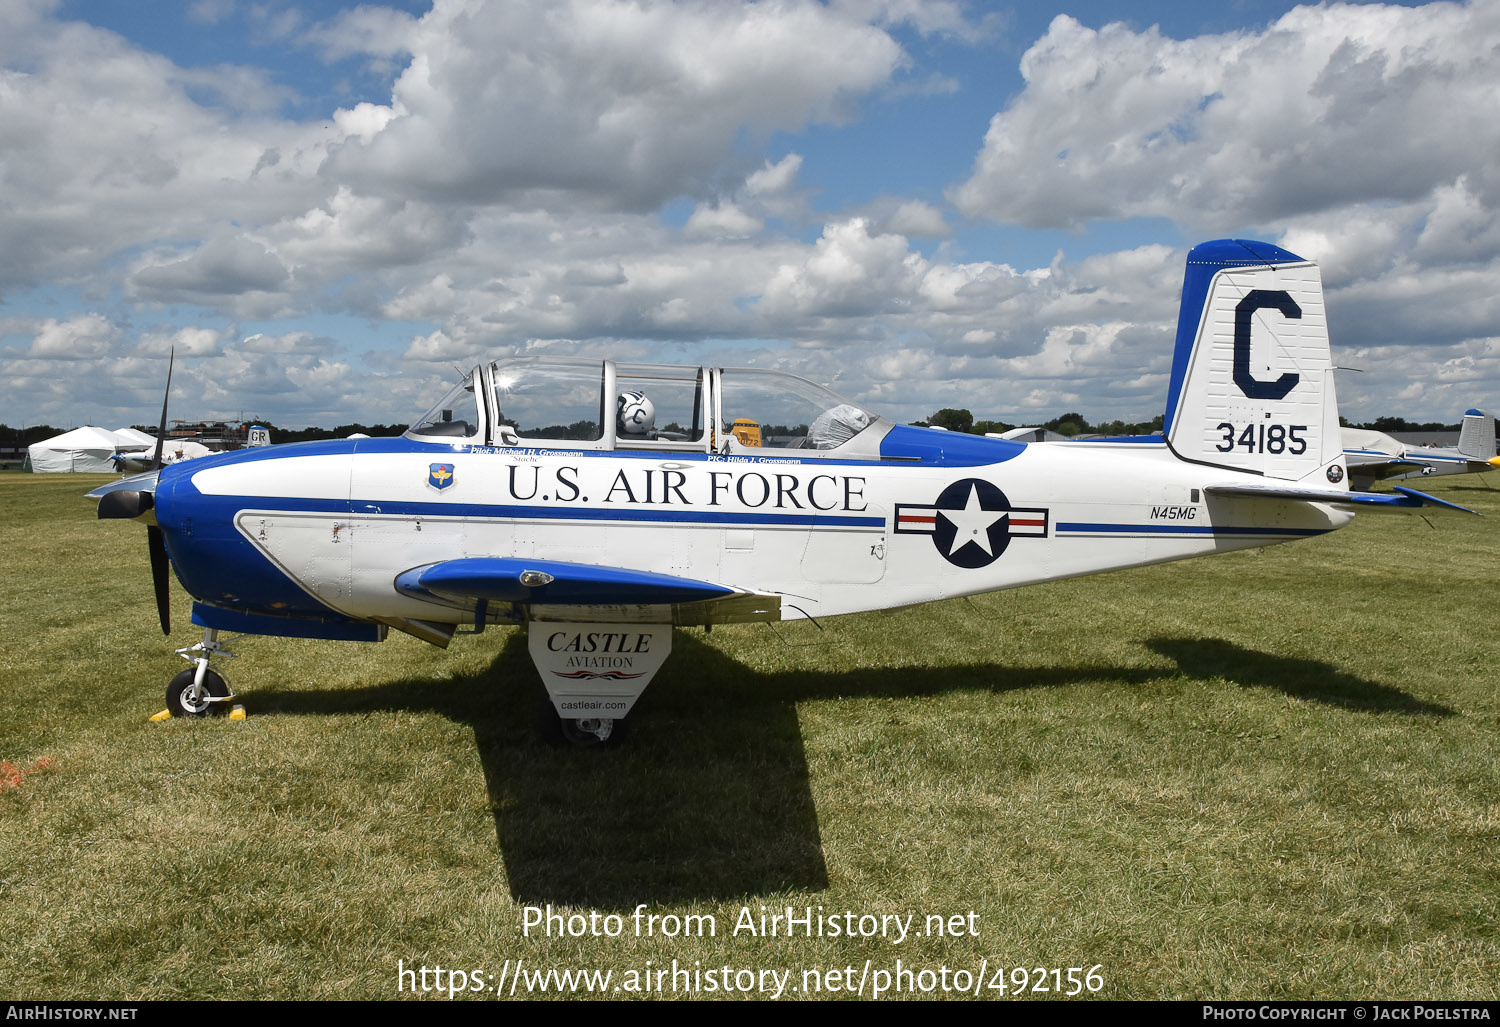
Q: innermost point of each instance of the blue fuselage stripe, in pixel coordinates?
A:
(1083, 528)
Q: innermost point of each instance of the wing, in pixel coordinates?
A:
(1370, 466)
(559, 590)
(1402, 499)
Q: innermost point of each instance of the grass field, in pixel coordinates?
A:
(1265, 774)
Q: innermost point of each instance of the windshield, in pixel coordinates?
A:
(455, 416)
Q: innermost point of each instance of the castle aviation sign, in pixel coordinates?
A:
(597, 670)
(971, 523)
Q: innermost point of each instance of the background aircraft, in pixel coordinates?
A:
(146, 458)
(601, 504)
(1374, 456)
(136, 461)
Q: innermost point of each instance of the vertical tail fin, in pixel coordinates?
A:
(1252, 376)
(1476, 439)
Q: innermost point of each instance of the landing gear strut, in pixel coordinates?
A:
(198, 690)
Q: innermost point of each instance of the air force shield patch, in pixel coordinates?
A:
(440, 476)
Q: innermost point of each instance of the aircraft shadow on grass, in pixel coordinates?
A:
(711, 798)
(1312, 680)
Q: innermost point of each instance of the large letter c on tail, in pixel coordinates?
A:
(1250, 385)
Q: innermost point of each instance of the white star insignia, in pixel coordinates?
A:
(972, 523)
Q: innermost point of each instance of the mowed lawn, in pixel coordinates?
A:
(1264, 774)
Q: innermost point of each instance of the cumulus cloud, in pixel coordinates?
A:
(928, 17)
(370, 30)
(299, 343)
(223, 266)
(627, 104)
(438, 347)
(774, 179)
(721, 220)
(912, 218)
(349, 232)
(78, 338)
(210, 12)
(849, 271)
(184, 342)
(119, 154)
(1328, 106)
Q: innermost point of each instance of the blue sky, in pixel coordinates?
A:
(325, 208)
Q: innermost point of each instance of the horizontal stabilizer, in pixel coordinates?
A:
(553, 583)
(1406, 499)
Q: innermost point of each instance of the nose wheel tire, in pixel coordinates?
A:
(185, 699)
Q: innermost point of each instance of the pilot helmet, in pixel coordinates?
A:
(637, 414)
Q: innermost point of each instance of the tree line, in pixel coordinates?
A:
(1073, 423)
(1069, 424)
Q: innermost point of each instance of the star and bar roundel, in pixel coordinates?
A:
(971, 523)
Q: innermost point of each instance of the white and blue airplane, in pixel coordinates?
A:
(542, 493)
(135, 460)
(1374, 456)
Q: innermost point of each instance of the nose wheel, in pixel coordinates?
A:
(200, 690)
(187, 697)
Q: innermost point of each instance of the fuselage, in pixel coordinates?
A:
(326, 529)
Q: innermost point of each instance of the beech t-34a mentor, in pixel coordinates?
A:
(599, 504)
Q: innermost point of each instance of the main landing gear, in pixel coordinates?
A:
(199, 690)
(591, 731)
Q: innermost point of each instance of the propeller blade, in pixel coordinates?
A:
(138, 482)
(158, 551)
(161, 432)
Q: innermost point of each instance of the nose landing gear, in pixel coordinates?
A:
(199, 690)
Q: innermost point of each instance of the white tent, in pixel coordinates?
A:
(85, 449)
(133, 437)
(182, 449)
